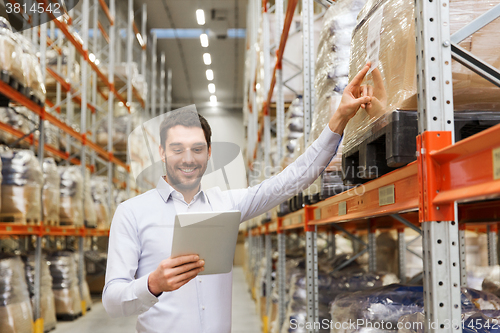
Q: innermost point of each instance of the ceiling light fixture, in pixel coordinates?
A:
(204, 40)
(211, 88)
(207, 59)
(210, 74)
(213, 99)
(200, 16)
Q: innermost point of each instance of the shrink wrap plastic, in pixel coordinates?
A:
(16, 118)
(85, 293)
(16, 314)
(478, 322)
(51, 191)
(71, 195)
(98, 186)
(21, 185)
(491, 282)
(120, 137)
(390, 303)
(47, 302)
(332, 67)
(31, 68)
(294, 129)
(396, 61)
(88, 203)
(10, 52)
(65, 283)
(329, 286)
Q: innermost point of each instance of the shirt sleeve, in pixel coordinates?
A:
(299, 175)
(123, 294)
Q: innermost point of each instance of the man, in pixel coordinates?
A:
(142, 279)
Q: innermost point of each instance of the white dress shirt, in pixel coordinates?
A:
(141, 237)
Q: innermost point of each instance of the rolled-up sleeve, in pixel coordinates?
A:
(123, 294)
(258, 199)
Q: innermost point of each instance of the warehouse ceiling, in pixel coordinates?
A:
(184, 54)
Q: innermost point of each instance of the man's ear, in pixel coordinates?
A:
(209, 152)
(162, 153)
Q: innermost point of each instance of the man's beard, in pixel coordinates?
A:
(175, 181)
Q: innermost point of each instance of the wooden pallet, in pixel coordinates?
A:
(19, 218)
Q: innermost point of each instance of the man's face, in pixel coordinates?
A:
(186, 156)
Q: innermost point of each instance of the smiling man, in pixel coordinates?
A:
(142, 278)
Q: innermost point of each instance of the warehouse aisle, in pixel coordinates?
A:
(245, 319)
(97, 321)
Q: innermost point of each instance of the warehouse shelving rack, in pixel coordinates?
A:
(95, 52)
(450, 188)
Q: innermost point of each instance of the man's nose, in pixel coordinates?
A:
(188, 156)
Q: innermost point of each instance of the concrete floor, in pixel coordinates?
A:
(245, 319)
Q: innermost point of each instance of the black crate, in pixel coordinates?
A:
(391, 143)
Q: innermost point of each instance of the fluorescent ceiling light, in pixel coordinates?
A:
(207, 59)
(211, 88)
(204, 40)
(210, 74)
(200, 16)
(91, 57)
(213, 99)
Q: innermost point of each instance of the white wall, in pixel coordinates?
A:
(227, 125)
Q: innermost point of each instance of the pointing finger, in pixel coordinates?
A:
(356, 81)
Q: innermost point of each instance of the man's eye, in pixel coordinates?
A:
(177, 151)
(198, 150)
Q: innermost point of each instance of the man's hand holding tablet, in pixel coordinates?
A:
(173, 273)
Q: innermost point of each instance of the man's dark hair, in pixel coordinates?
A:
(186, 118)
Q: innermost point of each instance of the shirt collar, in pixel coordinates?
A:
(165, 190)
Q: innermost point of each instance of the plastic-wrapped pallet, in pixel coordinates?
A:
(98, 186)
(32, 70)
(21, 186)
(10, 53)
(390, 303)
(47, 301)
(332, 66)
(16, 315)
(71, 195)
(85, 292)
(18, 121)
(329, 286)
(65, 284)
(120, 137)
(51, 192)
(478, 322)
(88, 203)
(396, 61)
(294, 128)
(491, 282)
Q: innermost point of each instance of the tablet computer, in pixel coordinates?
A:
(210, 235)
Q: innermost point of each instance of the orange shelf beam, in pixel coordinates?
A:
(105, 8)
(15, 229)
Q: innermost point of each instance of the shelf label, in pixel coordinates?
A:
(386, 195)
(8, 228)
(317, 214)
(342, 208)
(496, 163)
(30, 229)
(373, 37)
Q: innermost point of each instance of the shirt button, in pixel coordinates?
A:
(153, 302)
(203, 308)
(199, 280)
